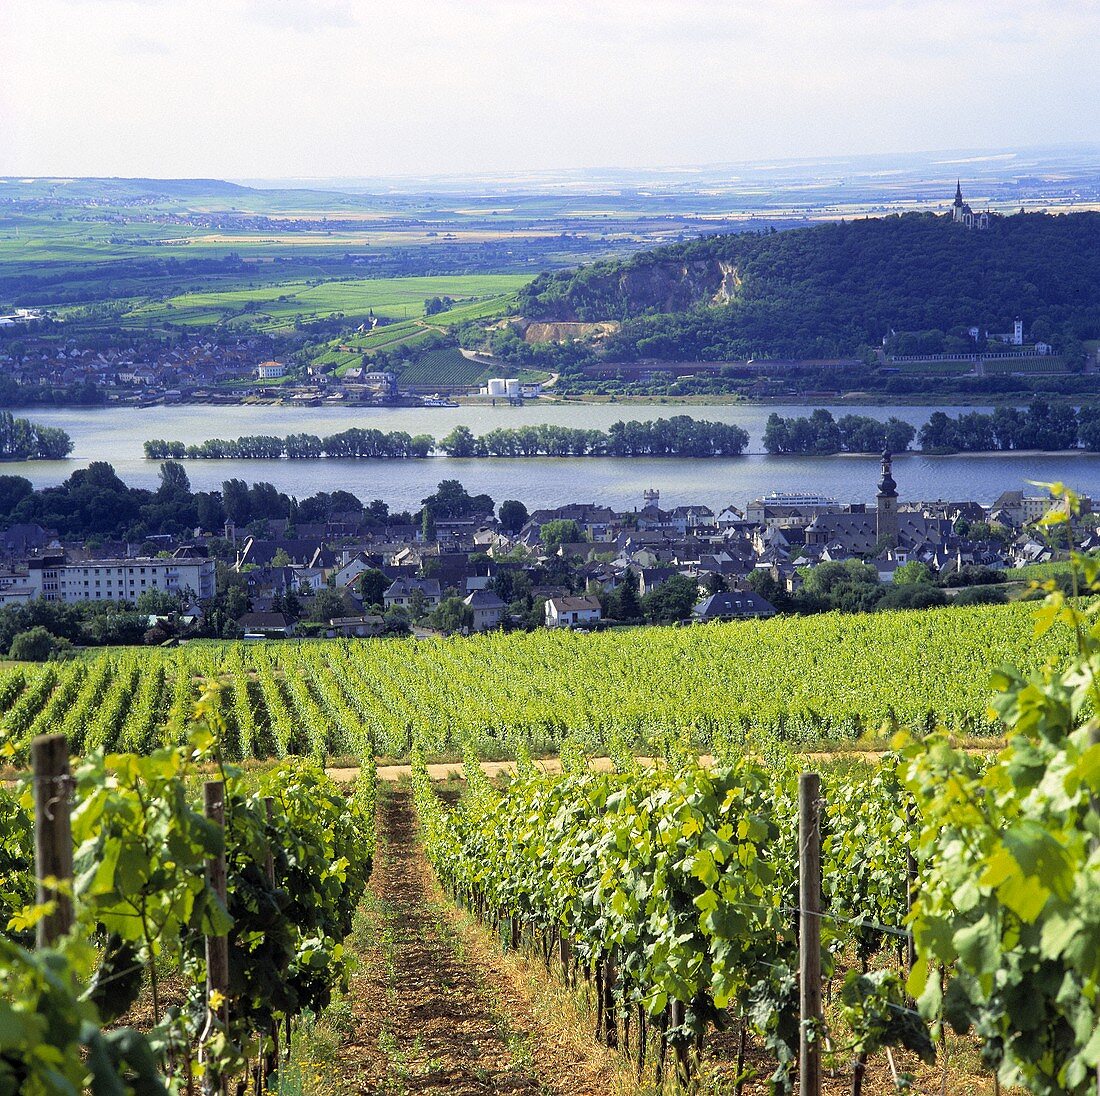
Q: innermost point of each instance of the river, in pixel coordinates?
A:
(116, 435)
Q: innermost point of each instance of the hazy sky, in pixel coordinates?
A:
(266, 88)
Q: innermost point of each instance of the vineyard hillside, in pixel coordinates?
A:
(804, 680)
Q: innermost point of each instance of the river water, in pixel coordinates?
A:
(116, 435)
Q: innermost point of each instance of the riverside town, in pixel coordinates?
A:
(549, 549)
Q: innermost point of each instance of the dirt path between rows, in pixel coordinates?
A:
(454, 770)
(433, 1007)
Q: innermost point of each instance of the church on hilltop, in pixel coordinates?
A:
(962, 214)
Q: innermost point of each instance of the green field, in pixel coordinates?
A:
(276, 307)
(1038, 572)
(445, 366)
(946, 368)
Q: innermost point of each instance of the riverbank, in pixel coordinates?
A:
(554, 400)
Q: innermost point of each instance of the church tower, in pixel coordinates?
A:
(886, 516)
(958, 210)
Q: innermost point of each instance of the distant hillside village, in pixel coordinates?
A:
(203, 368)
(461, 566)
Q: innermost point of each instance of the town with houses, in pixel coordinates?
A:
(204, 369)
(581, 565)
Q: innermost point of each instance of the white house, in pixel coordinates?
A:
(350, 571)
(572, 612)
(269, 371)
(488, 609)
(400, 592)
(312, 578)
(14, 590)
(730, 515)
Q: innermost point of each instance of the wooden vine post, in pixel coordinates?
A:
(910, 892)
(1094, 802)
(217, 947)
(53, 838)
(271, 1062)
(809, 935)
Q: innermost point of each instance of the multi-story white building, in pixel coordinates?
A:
(14, 590)
(789, 510)
(52, 579)
(270, 371)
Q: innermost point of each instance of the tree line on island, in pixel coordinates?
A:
(1040, 426)
(678, 436)
(21, 439)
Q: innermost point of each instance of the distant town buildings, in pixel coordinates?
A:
(349, 575)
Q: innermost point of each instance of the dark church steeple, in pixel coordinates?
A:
(887, 486)
(886, 514)
(958, 192)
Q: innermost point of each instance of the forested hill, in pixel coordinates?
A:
(116, 190)
(834, 288)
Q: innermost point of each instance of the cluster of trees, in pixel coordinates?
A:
(820, 434)
(832, 289)
(667, 602)
(94, 503)
(355, 442)
(21, 439)
(1041, 426)
(451, 502)
(854, 587)
(434, 305)
(678, 436)
(38, 630)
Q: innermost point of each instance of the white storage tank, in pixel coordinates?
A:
(511, 388)
(496, 386)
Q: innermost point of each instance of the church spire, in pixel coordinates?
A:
(886, 513)
(887, 487)
(958, 192)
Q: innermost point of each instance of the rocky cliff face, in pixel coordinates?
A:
(673, 287)
(730, 285)
(640, 287)
(541, 332)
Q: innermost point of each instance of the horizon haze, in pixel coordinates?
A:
(249, 89)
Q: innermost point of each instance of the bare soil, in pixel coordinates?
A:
(433, 1008)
